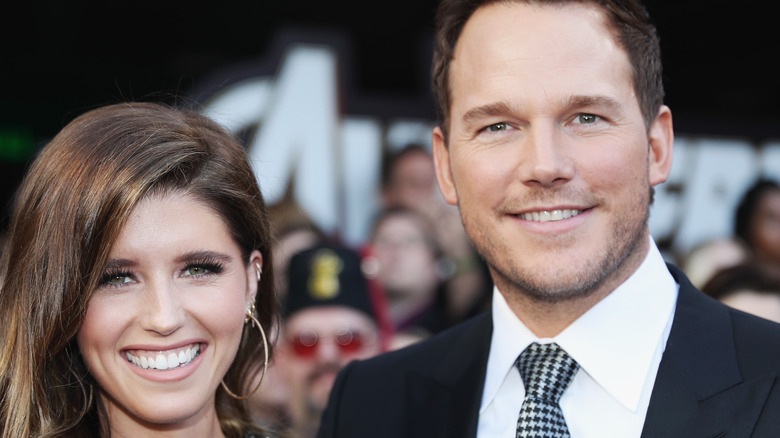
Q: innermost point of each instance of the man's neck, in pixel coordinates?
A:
(548, 318)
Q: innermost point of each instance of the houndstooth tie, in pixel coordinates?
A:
(547, 371)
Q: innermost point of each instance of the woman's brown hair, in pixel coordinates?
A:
(68, 211)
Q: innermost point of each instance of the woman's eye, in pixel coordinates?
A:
(202, 269)
(196, 271)
(116, 279)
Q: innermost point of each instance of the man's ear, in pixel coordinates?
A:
(661, 140)
(441, 160)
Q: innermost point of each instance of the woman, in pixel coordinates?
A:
(133, 302)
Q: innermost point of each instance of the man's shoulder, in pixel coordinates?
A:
(425, 387)
(705, 328)
(754, 337)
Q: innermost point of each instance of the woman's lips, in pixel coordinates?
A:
(164, 359)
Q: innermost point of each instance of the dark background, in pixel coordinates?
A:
(59, 60)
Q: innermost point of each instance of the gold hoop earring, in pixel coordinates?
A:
(251, 316)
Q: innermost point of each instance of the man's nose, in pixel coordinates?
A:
(544, 156)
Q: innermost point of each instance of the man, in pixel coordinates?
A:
(329, 320)
(552, 134)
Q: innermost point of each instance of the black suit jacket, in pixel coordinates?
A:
(718, 377)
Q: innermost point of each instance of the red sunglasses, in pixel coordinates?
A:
(305, 343)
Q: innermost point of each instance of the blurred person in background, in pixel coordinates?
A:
(709, 257)
(290, 239)
(409, 178)
(409, 181)
(291, 235)
(329, 320)
(757, 220)
(753, 287)
(410, 272)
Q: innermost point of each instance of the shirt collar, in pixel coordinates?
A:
(614, 341)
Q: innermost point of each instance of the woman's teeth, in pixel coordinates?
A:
(549, 216)
(164, 360)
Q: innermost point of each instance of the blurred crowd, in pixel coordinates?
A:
(743, 270)
(418, 275)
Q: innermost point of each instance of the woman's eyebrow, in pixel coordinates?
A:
(203, 255)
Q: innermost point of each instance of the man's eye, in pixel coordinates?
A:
(586, 119)
(497, 127)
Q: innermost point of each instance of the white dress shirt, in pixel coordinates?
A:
(618, 344)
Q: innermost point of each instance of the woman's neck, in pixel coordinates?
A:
(205, 424)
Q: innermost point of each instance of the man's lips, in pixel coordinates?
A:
(549, 215)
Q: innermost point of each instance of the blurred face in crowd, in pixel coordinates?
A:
(765, 230)
(412, 180)
(317, 343)
(548, 156)
(407, 263)
(763, 304)
(284, 248)
(165, 323)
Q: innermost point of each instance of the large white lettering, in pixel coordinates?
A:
(334, 159)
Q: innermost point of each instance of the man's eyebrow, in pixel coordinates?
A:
(590, 101)
(500, 108)
(484, 111)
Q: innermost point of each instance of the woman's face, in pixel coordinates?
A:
(165, 323)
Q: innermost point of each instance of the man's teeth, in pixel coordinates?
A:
(165, 361)
(548, 216)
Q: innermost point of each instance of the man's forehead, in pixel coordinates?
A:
(504, 45)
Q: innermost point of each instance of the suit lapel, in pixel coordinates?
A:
(446, 402)
(699, 384)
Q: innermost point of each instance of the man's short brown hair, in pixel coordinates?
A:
(629, 20)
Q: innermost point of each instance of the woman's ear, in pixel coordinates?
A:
(254, 272)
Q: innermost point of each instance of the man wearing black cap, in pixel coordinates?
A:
(329, 320)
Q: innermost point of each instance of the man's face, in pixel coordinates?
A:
(317, 343)
(549, 158)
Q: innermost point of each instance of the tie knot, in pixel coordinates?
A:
(546, 370)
